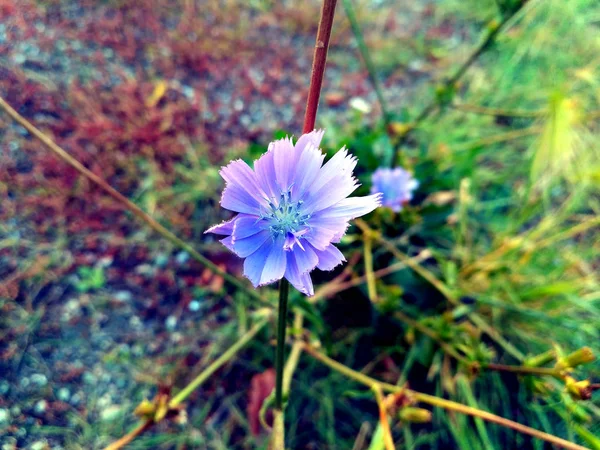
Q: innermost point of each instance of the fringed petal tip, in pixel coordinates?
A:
(224, 228)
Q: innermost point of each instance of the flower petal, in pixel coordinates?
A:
(237, 199)
(275, 264)
(314, 138)
(302, 282)
(225, 227)
(353, 207)
(228, 242)
(320, 237)
(310, 161)
(255, 263)
(240, 175)
(329, 258)
(284, 160)
(265, 173)
(340, 165)
(247, 225)
(306, 260)
(248, 245)
(331, 193)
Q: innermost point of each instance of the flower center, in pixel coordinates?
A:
(285, 218)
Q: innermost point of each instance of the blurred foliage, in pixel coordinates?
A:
(507, 209)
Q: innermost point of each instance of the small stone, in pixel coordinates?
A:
(39, 445)
(361, 105)
(123, 296)
(135, 322)
(24, 382)
(4, 416)
(4, 387)
(89, 378)
(104, 402)
(40, 407)
(15, 411)
(176, 337)
(194, 305)
(161, 260)
(63, 394)
(171, 323)
(182, 257)
(145, 269)
(110, 413)
(19, 58)
(76, 400)
(39, 379)
(10, 444)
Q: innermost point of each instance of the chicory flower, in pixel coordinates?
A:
(291, 210)
(396, 185)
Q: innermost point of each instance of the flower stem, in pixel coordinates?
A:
(318, 67)
(284, 288)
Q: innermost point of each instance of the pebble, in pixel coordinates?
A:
(171, 323)
(145, 269)
(182, 257)
(40, 407)
(123, 296)
(194, 305)
(24, 382)
(136, 323)
(110, 413)
(39, 445)
(63, 394)
(4, 416)
(10, 444)
(161, 260)
(89, 378)
(39, 379)
(4, 387)
(76, 400)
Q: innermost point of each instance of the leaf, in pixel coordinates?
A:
(261, 387)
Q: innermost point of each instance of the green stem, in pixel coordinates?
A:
(450, 82)
(284, 288)
(366, 56)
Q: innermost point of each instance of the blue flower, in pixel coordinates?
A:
(291, 209)
(396, 185)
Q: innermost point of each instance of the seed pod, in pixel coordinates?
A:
(414, 415)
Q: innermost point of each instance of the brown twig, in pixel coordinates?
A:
(132, 207)
(129, 437)
(318, 67)
(439, 402)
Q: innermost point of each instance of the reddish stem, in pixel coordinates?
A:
(318, 67)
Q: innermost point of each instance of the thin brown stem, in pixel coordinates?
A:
(132, 207)
(129, 437)
(318, 67)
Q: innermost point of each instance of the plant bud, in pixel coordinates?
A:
(579, 390)
(414, 415)
(582, 356)
(145, 409)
